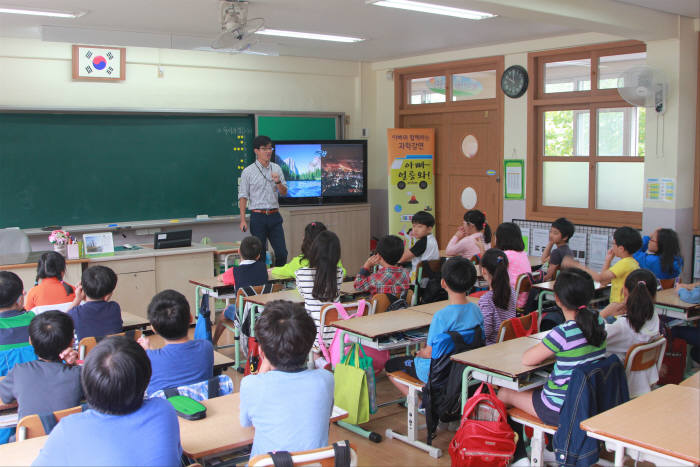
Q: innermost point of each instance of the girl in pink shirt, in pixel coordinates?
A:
(472, 238)
(509, 239)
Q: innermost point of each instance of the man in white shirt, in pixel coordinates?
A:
(261, 184)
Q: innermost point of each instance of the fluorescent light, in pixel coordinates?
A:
(432, 8)
(308, 35)
(52, 13)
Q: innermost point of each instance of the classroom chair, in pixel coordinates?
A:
(522, 285)
(667, 283)
(518, 327)
(539, 428)
(437, 392)
(241, 310)
(201, 390)
(86, 344)
(64, 307)
(641, 357)
(340, 454)
(33, 426)
(381, 301)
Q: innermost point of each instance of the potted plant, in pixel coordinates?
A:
(59, 239)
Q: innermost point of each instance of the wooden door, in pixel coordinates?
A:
(467, 165)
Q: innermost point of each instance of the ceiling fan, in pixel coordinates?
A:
(237, 31)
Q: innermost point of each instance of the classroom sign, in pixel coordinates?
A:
(411, 176)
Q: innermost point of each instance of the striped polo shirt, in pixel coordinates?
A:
(14, 329)
(305, 286)
(571, 349)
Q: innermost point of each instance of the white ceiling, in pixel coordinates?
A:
(389, 33)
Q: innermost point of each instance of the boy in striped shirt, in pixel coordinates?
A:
(14, 323)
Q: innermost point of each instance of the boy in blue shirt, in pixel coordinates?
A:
(97, 317)
(289, 405)
(458, 276)
(181, 361)
(120, 428)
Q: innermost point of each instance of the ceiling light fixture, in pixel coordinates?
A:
(52, 13)
(308, 35)
(432, 8)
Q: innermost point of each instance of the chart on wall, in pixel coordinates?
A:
(411, 173)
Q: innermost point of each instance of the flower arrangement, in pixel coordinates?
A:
(59, 237)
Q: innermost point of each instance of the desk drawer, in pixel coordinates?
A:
(126, 266)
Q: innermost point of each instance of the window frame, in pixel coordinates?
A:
(591, 100)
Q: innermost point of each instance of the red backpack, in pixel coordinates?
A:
(253, 362)
(484, 437)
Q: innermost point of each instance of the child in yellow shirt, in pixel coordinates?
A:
(626, 241)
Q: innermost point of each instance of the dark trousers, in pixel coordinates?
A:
(266, 227)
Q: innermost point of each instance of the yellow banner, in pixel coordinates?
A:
(411, 176)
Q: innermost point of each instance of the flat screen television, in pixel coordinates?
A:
(323, 171)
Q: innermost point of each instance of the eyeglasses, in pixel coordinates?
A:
(270, 148)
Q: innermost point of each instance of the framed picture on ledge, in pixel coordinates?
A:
(97, 63)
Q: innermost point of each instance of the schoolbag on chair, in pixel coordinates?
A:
(484, 438)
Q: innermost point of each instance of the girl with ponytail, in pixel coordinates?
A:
(498, 304)
(580, 339)
(640, 325)
(472, 238)
(50, 288)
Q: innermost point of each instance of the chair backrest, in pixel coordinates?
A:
(381, 301)
(667, 283)
(523, 284)
(507, 331)
(86, 344)
(64, 307)
(641, 357)
(201, 390)
(32, 427)
(323, 456)
(258, 289)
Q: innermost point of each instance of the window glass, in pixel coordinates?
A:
(611, 68)
(621, 131)
(427, 90)
(566, 132)
(565, 184)
(567, 76)
(620, 186)
(476, 85)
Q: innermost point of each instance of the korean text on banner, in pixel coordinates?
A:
(411, 176)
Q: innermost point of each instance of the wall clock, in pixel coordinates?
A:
(514, 81)
(96, 63)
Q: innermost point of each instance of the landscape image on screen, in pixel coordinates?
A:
(342, 169)
(301, 165)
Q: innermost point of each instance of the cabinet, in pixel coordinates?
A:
(136, 283)
(174, 271)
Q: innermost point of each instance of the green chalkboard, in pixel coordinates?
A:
(296, 128)
(69, 169)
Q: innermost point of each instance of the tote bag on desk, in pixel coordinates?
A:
(351, 392)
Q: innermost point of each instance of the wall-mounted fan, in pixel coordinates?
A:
(237, 31)
(643, 86)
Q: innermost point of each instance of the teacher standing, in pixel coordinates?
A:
(261, 184)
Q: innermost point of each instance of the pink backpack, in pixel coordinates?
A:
(379, 357)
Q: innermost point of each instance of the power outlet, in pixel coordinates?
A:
(365, 133)
(161, 73)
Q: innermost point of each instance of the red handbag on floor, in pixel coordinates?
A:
(673, 364)
(484, 437)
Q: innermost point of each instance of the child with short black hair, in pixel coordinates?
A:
(560, 233)
(252, 270)
(389, 278)
(458, 276)
(14, 322)
(120, 428)
(51, 336)
(50, 288)
(98, 316)
(426, 246)
(626, 241)
(288, 404)
(181, 361)
(498, 304)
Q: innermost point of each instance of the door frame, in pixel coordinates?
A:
(403, 106)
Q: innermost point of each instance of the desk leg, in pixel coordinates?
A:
(619, 454)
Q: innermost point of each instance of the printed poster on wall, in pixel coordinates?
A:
(411, 188)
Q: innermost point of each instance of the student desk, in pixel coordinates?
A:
(432, 308)
(22, 452)
(692, 382)
(547, 289)
(501, 364)
(131, 321)
(221, 431)
(661, 425)
(669, 304)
